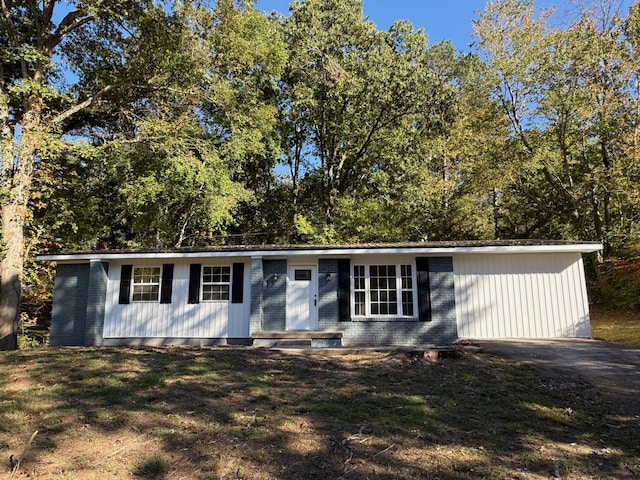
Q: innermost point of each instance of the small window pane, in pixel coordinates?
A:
(359, 303)
(407, 290)
(215, 292)
(359, 294)
(407, 303)
(303, 275)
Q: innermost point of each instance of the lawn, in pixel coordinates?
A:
(236, 413)
(616, 325)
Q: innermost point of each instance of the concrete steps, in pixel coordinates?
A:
(297, 339)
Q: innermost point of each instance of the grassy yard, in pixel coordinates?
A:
(616, 325)
(186, 413)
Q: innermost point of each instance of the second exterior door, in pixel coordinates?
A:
(302, 297)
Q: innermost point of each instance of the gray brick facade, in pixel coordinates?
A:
(96, 295)
(441, 330)
(79, 294)
(70, 295)
(274, 295)
(328, 294)
(255, 310)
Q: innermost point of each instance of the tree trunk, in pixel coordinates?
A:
(11, 275)
(16, 179)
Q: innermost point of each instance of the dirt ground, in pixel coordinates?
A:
(180, 413)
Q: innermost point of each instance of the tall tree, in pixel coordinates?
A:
(347, 91)
(106, 46)
(167, 168)
(437, 172)
(571, 100)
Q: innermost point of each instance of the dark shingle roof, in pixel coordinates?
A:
(328, 248)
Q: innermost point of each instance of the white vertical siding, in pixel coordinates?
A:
(178, 319)
(521, 296)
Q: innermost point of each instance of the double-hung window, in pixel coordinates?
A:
(216, 281)
(146, 284)
(383, 291)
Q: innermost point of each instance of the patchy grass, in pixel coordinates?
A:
(616, 325)
(152, 467)
(177, 413)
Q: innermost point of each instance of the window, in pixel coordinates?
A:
(146, 284)
(383, 290)
(359, 290)
(302, 275)
(407, 290)
(216, 282)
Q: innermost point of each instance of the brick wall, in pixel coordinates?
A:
(255, 312)
(441, 330)
(327, 295)
(70, 293)
(274, 295)
(96, 296)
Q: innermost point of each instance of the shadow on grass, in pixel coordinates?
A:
(245, 413)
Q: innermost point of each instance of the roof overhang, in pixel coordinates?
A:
(426, 248)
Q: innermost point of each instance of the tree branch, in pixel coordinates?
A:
(6, 12)
(33, 8)
(82, 105)
(72, 21)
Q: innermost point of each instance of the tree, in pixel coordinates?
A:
(349, 91)
(114, 52)
(431, 185)
(571, 98)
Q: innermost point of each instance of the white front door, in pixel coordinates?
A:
(302, 298)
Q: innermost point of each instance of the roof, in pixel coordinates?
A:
(420, 248)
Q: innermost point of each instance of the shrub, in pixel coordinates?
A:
(152, 467)
(619, 282)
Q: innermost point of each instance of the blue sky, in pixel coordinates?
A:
(440, 19)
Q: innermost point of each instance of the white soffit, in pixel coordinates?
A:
(325, 252)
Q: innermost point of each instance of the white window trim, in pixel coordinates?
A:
(203, 283)
(134, 284)
(399, 290)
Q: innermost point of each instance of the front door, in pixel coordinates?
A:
(302, 298)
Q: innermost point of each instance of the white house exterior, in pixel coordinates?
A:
(431, 293)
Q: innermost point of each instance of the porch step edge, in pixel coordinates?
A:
(297, 334)
(293, 343)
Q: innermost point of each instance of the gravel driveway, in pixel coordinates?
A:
(612, 369)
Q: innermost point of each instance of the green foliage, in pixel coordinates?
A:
(349, 94)
(161, 164)
(619, 282)
(571, 100)
(29, 335)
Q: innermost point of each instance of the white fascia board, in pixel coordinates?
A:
(328, 252)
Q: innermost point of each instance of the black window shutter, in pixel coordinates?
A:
(237, 286)
(166, 285)
(424, 291)
(125, 284)
(194, 283)
(344, 283)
